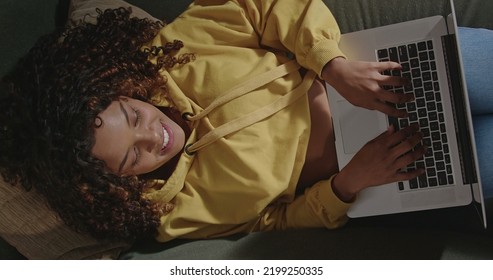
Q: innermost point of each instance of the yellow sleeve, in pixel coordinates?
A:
(305, 28)
(317, 207)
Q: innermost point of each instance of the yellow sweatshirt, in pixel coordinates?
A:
(251, 121)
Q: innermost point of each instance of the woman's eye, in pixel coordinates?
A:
(138, 116)
(137, 156)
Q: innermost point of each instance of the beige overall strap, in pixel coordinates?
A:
(252, 117)
(249, 86)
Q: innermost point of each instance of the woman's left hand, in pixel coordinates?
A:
(361, 83)
(381, 161)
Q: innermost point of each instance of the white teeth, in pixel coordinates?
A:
(165, 138)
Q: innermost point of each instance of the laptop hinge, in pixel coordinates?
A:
(459, 107)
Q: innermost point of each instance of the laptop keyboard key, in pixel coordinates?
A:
(413, 183)
(393, 55)
(442, 178)
(412, 50)
(382, 54)
(422, 180)
(403, 54)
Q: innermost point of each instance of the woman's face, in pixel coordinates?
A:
(135, 137)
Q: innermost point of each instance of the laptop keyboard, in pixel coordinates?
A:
(419, 66)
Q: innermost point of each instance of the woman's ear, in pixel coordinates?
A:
(98, 122)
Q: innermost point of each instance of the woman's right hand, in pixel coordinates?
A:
(380, 162)
(361, 83)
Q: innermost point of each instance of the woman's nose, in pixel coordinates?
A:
(149, 138)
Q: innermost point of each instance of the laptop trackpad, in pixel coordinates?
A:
(358, 126)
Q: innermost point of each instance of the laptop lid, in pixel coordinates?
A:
(468, 143)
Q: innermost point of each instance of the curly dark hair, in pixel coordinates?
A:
(47, 120)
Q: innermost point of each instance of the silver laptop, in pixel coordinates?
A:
(429, 52)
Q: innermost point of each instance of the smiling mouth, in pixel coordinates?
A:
(167, 139)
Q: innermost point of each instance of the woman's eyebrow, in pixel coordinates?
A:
(124, 112)
(122, 164)
(124, 160)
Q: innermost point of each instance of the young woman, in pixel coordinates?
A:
(130, 132)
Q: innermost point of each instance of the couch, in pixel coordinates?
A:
(453, 233)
